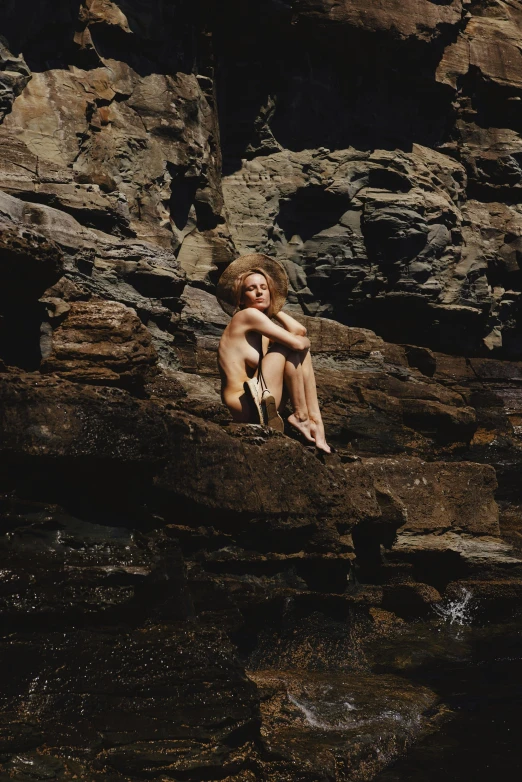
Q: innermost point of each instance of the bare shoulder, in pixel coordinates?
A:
(251, 316)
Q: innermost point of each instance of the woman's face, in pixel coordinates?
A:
(255, 292)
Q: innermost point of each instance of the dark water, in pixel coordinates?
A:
(479, 677)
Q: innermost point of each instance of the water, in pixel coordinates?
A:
(326, 714)
(480, 680)
(449, 680)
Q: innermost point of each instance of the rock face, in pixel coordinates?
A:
(15, 76)
(100, 342)
(416, 18)
(385, 202)
(151, 551)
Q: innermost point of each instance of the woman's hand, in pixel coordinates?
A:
(303, 343)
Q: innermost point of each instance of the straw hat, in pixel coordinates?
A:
(225, 287)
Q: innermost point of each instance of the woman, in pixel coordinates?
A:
(259, 358)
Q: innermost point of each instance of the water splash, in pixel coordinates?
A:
(313, 718)
(343, 715)
(458, 611)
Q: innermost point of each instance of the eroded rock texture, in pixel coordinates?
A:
(151, 551)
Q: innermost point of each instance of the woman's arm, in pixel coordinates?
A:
(291, 324)
(257, 321)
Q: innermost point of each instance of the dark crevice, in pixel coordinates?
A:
(491, 105)
(304, 92)
(309, 211)
(491, 193)
(104, 220)
(20, 336)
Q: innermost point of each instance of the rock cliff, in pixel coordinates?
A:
(152, 552)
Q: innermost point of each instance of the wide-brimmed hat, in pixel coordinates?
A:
(225, 289)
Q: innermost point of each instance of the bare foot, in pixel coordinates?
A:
(317, 430)
(302, 426)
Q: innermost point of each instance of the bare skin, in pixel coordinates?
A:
(286, 365)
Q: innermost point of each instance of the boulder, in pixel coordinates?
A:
(456, 498)
(101, 342)
(52, 418)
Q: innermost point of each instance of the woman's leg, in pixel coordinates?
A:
(273, 367)
(312, 404)
(280, 364)
(295, 368)
(294, 382)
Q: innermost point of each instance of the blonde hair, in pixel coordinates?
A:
(240, 283)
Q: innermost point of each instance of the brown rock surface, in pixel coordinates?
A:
(101, 342)
(440, 498)
(135, 154)
(95, 692)
(300, 728)
(414, 18)
(374, 148)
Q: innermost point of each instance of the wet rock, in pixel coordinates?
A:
(387, 181)
(314, 722)
(58, 568)
(490, 599)
(148, 698)
(410, 601)
(441, 559)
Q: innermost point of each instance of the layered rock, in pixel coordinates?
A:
(101, 695)
(417, 18)
(152, 550)
(100, 342)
